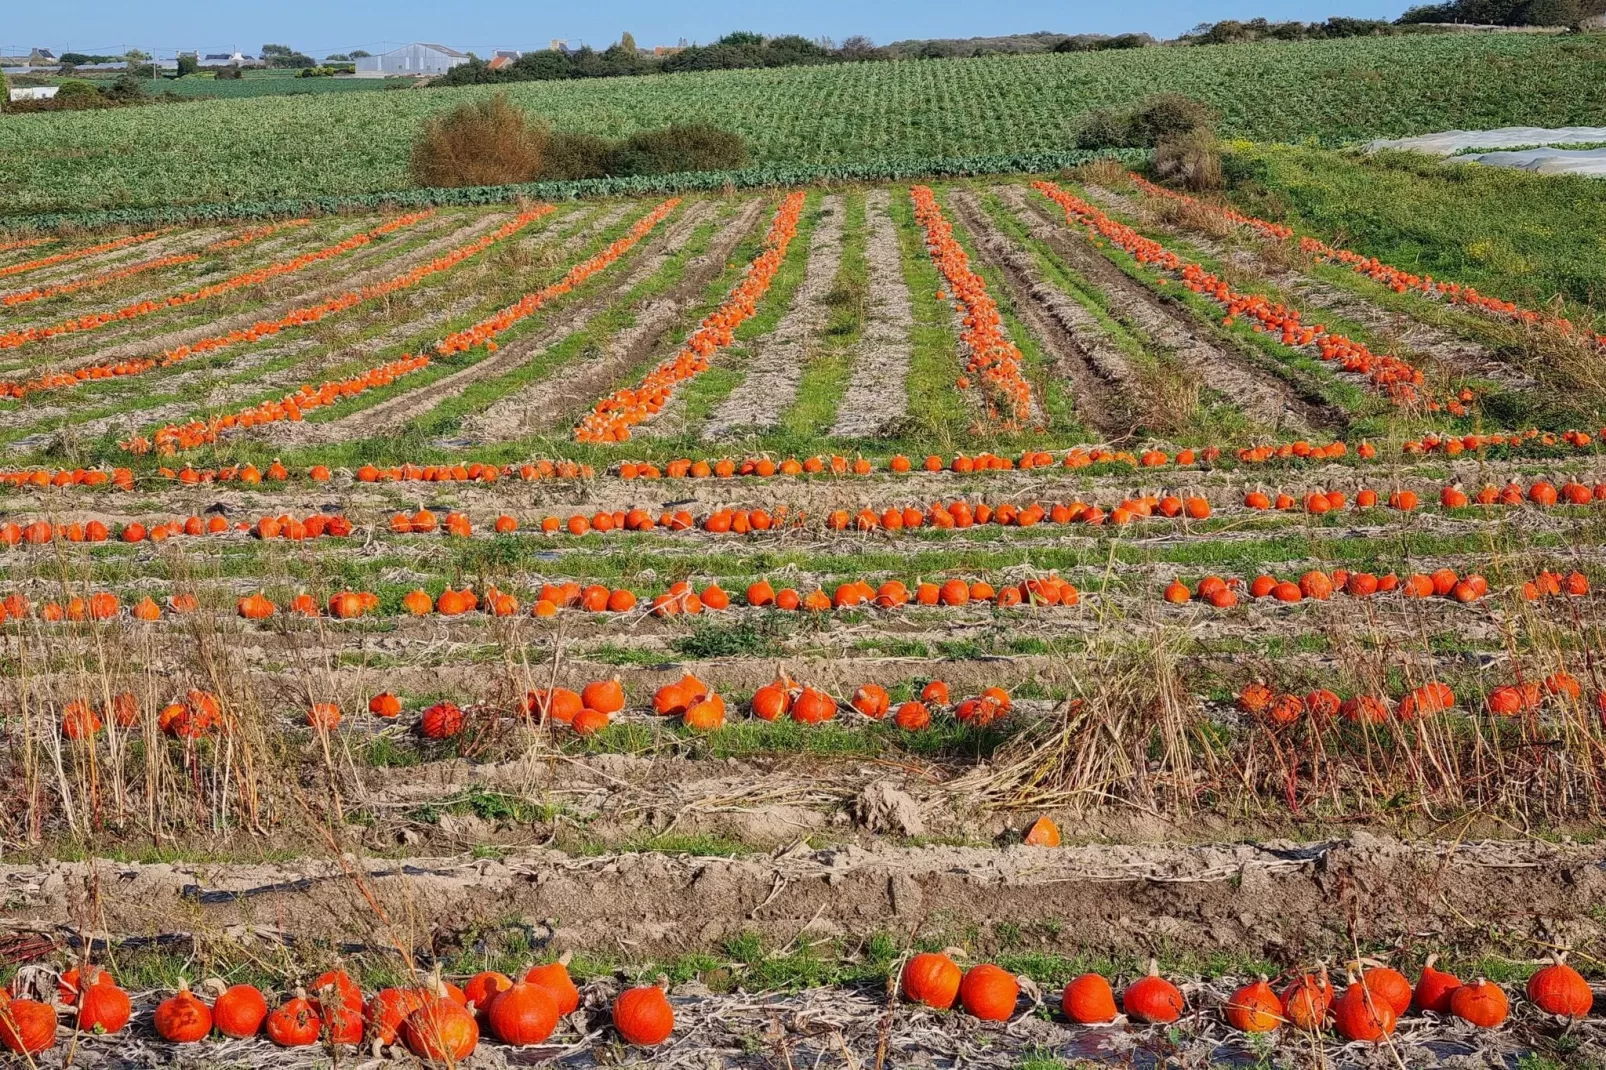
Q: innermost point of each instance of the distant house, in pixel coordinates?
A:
(229, 59)
(559, 46)
(503, 58)
(35, 92)
(411, 61)
(41, 57)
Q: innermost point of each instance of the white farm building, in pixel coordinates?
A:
(411, 61)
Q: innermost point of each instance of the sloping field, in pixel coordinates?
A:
(756, 590)
(1334, 91)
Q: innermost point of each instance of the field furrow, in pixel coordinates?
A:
(774, 369)
(394, 414)
(876, 399)
(1271, 400)
(1105, 387)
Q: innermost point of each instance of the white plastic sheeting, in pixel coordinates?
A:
(1507, 137)
(1544, 161)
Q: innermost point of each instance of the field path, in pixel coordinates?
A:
(877, 396)
(547, 405)
(1104, 385)
(776, 368)
(1259, 393)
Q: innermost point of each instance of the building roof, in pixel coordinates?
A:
(498, 62)
(443, 48)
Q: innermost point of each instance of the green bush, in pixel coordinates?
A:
(1169, 115)
(678, 149)
(570, 157)
(1104, 128)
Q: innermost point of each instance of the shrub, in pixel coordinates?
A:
(1165, 116)
(485, 142)
(1192, 160)
(1104, 128)
(677, 148)
(570, 157)
(1162, 117)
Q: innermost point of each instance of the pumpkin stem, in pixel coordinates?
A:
(568, 956)
(183, 987)
(663, 982)
(1154, 966)
(215, 985)
(1428, 965)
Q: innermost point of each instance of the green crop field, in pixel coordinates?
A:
(339, 143)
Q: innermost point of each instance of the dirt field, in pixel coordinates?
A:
(1140, 366)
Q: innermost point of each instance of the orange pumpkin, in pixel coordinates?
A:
(554, 977)
(182, 1018)
(1152, 998)
(1254, 1008)
(240, 1011)
(989, 992)
(643, 1016)
(525, 1013)
(932, 979)
(1088, 1000)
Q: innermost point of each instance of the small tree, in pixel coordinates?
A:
(627, 42)
(187, 64)
(487, 142)
(358, 54)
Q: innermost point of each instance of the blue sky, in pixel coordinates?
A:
(319, 27)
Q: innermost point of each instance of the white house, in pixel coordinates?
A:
(35, 92)
(411, 61)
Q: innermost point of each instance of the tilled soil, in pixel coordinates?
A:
(316, 282)
(775, 369)
(1424, 340)
(1283, 901)
(148, 346)
(1268, 398)
(1103, 383)
(877, 397)
(557, 400)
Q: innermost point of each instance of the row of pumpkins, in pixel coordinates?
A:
(440, 1022)
(436, 1021)
(1368, 1009)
